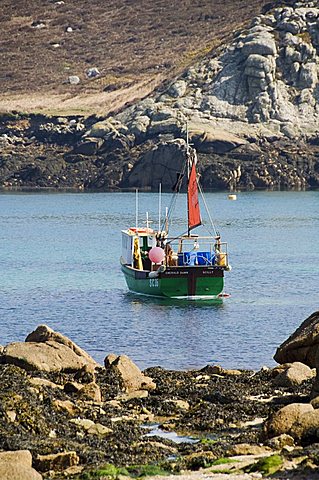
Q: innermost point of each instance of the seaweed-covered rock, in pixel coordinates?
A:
(214, 408)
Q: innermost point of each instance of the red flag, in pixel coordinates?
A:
(194, 219)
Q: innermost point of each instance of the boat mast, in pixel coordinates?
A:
(159, 206)
(187, 149)
(136, 208)
(187, 154)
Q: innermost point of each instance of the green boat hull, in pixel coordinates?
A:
(202, 282)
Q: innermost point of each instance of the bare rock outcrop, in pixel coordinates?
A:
(17, 465)
(132, 377)
(47, 350)
(43, 333)
(283, 420)
(57, 461)
(299, 421)
(306, 427)
(303, 345)
(159, 165)
(292, 374)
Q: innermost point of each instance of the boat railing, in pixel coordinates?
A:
(195, 251)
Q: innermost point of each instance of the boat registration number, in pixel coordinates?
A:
(153, 282)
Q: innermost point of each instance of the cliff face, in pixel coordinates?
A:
(264, 83)
(267, 77)
(251, 109)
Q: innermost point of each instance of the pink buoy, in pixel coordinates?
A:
(156, 254)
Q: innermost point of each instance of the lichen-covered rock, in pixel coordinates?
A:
(162, 112)
(261, 42)
(308, 75)
(139, 125)
(99, 129)
(171, 125)
(213, 140)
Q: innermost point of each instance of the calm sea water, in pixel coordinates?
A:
(59, 265)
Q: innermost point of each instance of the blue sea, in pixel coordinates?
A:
(59, 265)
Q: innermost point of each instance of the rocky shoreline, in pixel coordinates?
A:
(65, 416)
(250, 107)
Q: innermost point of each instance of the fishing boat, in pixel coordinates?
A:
(187, 266)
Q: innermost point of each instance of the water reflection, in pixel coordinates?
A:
(173, 302)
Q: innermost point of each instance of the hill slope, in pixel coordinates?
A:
(135, 45)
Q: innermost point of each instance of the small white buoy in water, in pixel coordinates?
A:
(232, 197)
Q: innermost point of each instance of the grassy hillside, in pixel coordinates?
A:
(135, 44)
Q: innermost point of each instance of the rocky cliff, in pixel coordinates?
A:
(251, 109)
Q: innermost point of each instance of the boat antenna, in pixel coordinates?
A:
(159, 206)
(136, 208)
(147, 221)
(166, 219)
